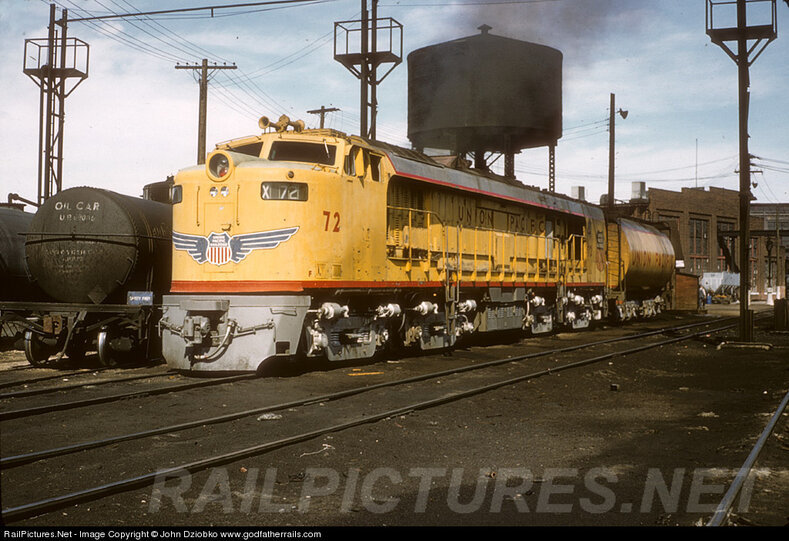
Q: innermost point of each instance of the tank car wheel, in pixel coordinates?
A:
(36, 351)
(107, 355)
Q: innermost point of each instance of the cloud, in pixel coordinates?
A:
(134, 120)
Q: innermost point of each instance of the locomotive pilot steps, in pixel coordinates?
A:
(103, 260)
(317, 243)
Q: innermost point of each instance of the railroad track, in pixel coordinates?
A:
(95, 400)
(53, 406)
(17, 460)
(57, 375)
(724, 509)
(79, 385)
(48, 377)
(497, 374)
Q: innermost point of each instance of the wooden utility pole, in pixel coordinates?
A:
(743, 76)
(760, 35)
(202, 121)
(611, 149)
(322, 112)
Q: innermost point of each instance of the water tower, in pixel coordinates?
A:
(485, 93)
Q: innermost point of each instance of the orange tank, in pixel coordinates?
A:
(647, 258)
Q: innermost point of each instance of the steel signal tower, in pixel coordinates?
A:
(363, 53)
(50, 62)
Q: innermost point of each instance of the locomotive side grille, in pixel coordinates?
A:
(401, 198)
(398, 198)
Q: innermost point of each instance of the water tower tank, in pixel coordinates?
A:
(484, 93)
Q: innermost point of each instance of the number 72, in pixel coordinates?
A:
(328, 216)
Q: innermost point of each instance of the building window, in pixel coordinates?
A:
(726, 246)
(698, 245)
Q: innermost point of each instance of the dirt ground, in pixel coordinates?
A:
(649, 440)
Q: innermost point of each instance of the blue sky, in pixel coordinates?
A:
(134, 120)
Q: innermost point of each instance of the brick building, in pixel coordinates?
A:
(702, 217)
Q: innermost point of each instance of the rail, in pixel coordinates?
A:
(724, 507)
(52, 503)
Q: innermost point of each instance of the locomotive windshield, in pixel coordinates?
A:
(300, 151)
(250, 149)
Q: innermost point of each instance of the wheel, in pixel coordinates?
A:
(110, 348)
(36, 352)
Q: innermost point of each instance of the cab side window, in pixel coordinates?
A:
(375, 167)
(360, 162)
(350, 162)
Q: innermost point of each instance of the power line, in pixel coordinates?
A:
(172, 41)
(469, 3)
(198, 51)
(293, 57)
(770, 160)
(188, 10)
(601, 122)
(123, 37)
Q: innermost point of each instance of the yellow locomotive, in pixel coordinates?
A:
(317, 243)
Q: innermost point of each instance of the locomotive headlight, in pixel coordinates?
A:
(224, 191)
(213, 191)
(284, 191)
(219, 166)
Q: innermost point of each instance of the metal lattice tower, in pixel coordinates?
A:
(51, 62)
(369, 43)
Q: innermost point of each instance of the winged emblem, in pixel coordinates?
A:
(221, 248)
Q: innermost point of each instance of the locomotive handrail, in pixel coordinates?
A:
(69, 307)
(423, 211)
(551, 249)
(238, 202)
(409, 244)
(576, 261)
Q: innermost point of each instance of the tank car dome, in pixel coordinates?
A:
(484, 93)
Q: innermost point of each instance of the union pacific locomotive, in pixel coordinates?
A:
(316, 243)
